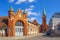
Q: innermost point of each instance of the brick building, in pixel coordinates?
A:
(44, 26)
(17, 24)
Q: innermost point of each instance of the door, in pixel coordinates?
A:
(19, 29)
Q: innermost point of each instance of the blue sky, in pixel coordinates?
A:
(34, 8)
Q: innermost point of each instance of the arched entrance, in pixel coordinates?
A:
(18, 28)
(14, 27)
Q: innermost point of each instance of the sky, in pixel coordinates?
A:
(34, 8)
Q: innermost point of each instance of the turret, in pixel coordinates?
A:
(25, 13)
(11, 12)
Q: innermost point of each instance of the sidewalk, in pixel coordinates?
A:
(20, 37)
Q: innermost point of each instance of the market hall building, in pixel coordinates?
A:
(17, 24)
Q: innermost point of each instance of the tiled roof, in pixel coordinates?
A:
(3, 21)
(35, 22)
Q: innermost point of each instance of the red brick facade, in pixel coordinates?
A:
(13, 19)
(28, 28)
(44, 25)
(35, 22)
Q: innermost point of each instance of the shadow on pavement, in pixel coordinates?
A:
(49, 36)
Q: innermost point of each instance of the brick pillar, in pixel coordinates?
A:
(25, 28)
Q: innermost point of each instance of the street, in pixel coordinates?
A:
(32, 37)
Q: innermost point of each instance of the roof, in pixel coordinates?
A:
(3, 21)
(56, 15)
(35, 22)
(44, 12)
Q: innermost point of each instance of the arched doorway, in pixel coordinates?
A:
(18, 28)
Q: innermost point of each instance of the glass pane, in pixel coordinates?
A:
(19, 24)
(58, 28)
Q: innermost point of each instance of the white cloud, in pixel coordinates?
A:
(31, 0)
(20, 1)
(31, 19)
(29, 9)
(11, 1)
(32, 6)
(32, 13)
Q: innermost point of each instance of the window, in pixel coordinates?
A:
(19, 23)
(44, 29)
(58, 28)
(22, 29)
(16, 29)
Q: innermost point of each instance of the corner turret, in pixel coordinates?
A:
(11, 12)
(25, 13)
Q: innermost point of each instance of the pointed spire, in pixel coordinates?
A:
(24, 11)
(11, 9)
(18, 10)
(44, 12)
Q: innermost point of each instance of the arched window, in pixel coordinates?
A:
(19, 23)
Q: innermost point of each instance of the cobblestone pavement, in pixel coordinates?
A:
(34, 37)
(43, 38)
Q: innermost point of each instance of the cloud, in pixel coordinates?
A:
(32, 6)
(10, 1)
(32, 13)
(29, 11)
(31, 0)
(20, 1)
(32, 18)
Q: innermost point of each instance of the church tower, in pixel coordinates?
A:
(44, 17)
(44, 24)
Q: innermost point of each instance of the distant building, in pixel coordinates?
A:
(35, 22)
(17, 24)
(54, 23)
(44, 26)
